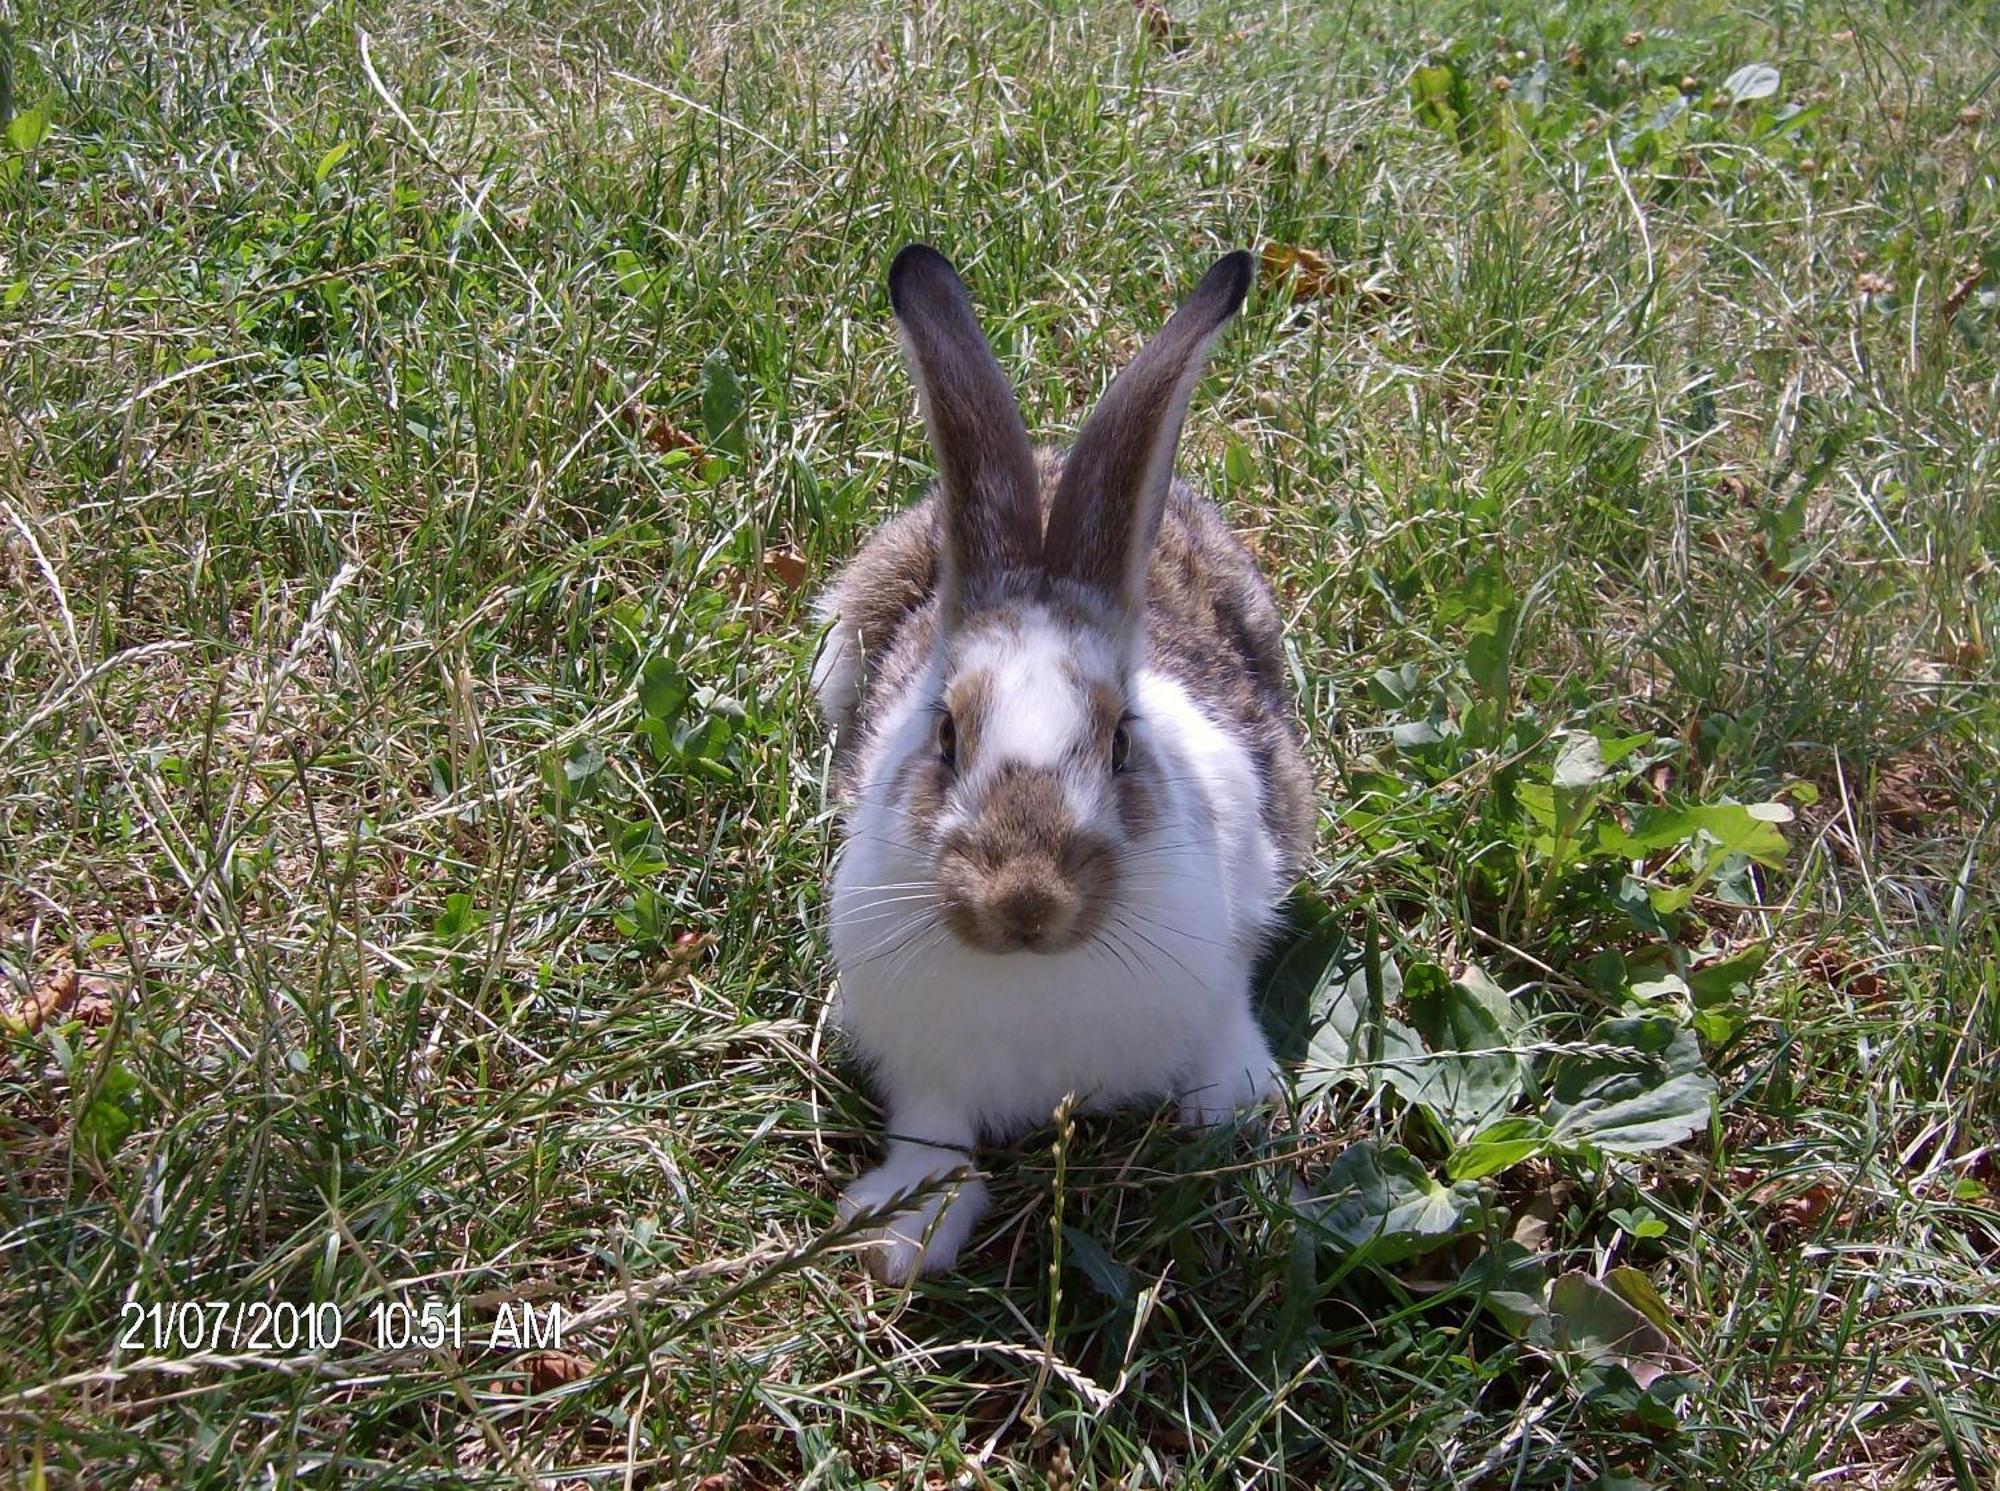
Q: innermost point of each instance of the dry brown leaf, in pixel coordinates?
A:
(96, 1000)
(1867, 988)
(1161, 26)
(1967, 653)
(1532, 1223)
(1838, 969)
(1307, 274)
(43, 1005)
(1961, 292)
(1904, 800)
(788, 565)
(664, 435)
(548, 1370)
(1799, 1210)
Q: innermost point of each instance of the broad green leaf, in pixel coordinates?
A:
(637, 279)
(1533, 89)
(663, 690)
(1637, 1290)
(1728, 978)
(1673, 105)
(1607, 973)
(30, 127)
(1618, 747)
(1581, 761)
(1353, 1040)
(1497, 1147)
(1430, 97)
(1652, 829)
(1642, 1224)
(1750, 82)
(1291, 988)
(1631, 898)
(1669, 899)
(1657, 984)
(702, 737)
(722, 404)
(1393, 687)
(1489, 643)
(583, 762)
(1379, 1203)
(1476, 985)
(1749, 829)
(1485, 591)
(1717, 1026)
(1348, 1028)
(1109, 1277)
(1736, 828)
(1597, 1323)
(1512, 1283)
(457, 918)
(1468, 1076)
(1653, 1093)
(103, 1126)
(1414, 734)
(332, 158)
(1239, 464)
(1343, 1011)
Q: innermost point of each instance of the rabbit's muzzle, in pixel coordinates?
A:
(1021, 875)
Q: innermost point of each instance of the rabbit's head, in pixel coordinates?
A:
(1032, 777)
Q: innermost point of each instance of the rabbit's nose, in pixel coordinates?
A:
(1026, 910)
(1032, 909)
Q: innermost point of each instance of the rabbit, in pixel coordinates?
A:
(1071, 786)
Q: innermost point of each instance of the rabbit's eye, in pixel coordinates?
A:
(1121, 747)
(947, 738)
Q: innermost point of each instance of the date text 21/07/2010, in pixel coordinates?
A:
(186, 1327)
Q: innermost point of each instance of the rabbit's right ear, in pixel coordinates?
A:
(1113, 491)
(990, 500)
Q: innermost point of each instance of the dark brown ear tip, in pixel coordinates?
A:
(919, 269)
(1227, 282)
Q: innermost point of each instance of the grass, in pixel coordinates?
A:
(402, 406)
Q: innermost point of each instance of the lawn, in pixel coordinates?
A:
(422, 431)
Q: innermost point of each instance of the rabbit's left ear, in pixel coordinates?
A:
(1107, 507)
(989, 494)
